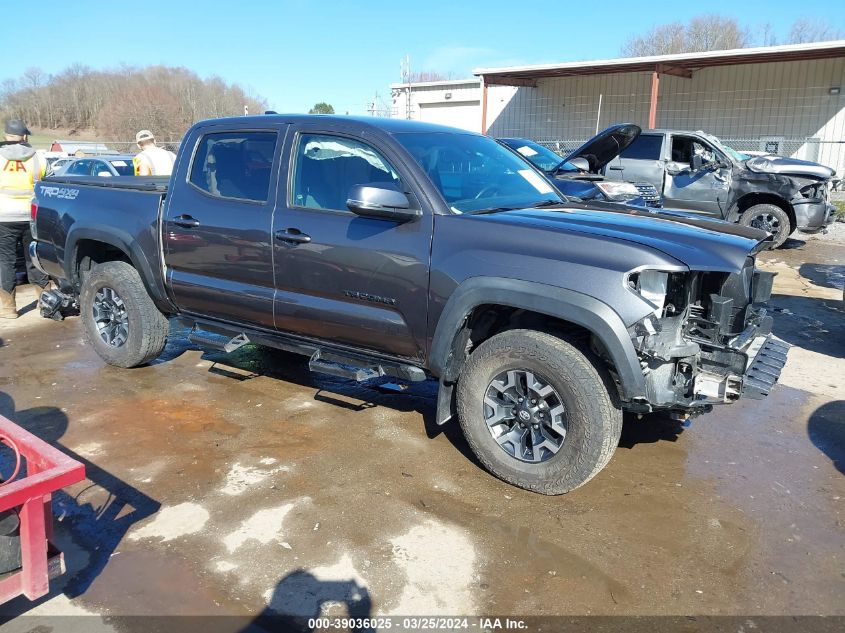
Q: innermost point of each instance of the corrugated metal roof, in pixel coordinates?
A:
(436, 84)
(666, 63)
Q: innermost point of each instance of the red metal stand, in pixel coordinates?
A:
(47, 470)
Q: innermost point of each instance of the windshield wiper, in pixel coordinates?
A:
(490, 210)
(537, 205)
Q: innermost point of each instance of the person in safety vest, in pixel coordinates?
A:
(20, 168)
(152, 160)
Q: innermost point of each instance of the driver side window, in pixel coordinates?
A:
(684, 148)
(327, 167)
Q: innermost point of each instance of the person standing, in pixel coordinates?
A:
(152, 159)
(20, 169)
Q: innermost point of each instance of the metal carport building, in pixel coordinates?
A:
(783, 99)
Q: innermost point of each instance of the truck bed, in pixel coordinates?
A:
(158, 184)
(123, 212)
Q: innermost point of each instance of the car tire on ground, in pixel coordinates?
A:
(770, 218)
(121, 321)
(567, 391)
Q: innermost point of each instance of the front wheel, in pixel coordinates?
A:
(770, 218)
(121, 321)
(537, 411)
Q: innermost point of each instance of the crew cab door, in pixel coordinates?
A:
(339, 276)
(216, 232)
(697, 176)
(641, 161)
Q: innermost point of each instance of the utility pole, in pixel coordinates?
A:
(405, 68)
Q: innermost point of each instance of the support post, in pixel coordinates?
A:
(652, 107)
(483, 106)
(34, 578)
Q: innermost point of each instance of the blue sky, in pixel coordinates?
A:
(298, 52)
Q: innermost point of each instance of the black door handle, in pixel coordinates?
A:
(616, 168)
(294, 236)
(186, 221)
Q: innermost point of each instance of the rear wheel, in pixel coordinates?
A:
(537, 411)
(121, 321)
(770, 218)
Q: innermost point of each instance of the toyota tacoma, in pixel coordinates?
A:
(396, 248)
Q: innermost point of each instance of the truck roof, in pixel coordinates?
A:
(390, 126)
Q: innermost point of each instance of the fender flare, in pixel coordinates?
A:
(122, 241)
(569, 305)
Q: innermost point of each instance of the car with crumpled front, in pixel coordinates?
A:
(696, 172)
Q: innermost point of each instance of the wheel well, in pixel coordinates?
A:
(89, 253)
(488, 320)
(749, 200)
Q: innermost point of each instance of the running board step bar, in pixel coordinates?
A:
(218, 341)
(324, 362)
(323, 359)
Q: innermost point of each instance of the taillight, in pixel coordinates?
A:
(33, 209)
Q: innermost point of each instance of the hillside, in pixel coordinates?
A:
(84, 103)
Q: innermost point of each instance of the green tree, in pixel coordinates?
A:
(321, 108)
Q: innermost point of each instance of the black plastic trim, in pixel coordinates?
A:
(575, 307)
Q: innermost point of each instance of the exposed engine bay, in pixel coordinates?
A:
(708, 340)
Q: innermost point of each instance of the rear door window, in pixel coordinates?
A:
(234, 165)
(646, 147)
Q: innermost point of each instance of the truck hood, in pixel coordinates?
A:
(789, 167)
(606, 145)
(699, 243)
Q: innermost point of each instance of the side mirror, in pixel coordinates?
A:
(581, 163)
(695, 162)
(381, 200)
(104, 173)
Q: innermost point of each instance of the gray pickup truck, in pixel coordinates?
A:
(696, 172)
(395, 248)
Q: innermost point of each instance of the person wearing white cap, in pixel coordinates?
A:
(152, 160)
(20, 169)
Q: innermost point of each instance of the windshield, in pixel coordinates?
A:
(541, 157)
(474, 173)
(730, 151)
(123, 167)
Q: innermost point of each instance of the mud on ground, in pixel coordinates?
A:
(243, 485)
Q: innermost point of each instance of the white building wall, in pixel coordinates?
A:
(453, 103)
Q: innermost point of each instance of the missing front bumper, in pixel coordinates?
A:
(766, 358)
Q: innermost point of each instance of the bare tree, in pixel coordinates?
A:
(806, 30)
(428, 75)
(703, 33)
(120, 102)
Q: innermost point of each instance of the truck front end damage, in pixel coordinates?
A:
(813, 209)
(708, 340)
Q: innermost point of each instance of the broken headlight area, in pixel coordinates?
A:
(618, 191)
(815, 191)
(698, 345)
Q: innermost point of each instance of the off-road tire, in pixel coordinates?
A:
(147, 327)
(594, 418)
(782, 217)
